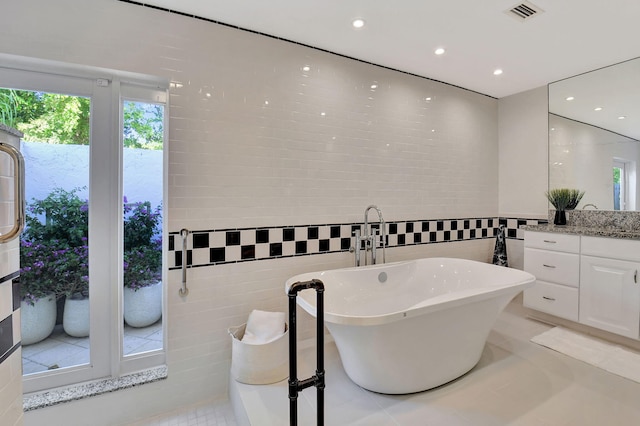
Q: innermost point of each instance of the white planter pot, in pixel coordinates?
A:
(37, 321)
(144, 306)
(76, 319)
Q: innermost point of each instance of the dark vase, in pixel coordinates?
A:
(560, 218)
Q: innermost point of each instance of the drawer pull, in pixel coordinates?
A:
(549, 298)
(550, 241)
(548, 266)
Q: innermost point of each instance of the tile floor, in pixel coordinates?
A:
(216, 413)
(516, 382)
(62, 350)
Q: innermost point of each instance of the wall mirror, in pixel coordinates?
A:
(594, 136)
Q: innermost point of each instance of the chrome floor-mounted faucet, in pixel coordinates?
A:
(370, 237)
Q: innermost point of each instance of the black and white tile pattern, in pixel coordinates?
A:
(212, 247)
(8, 336)
(514, 226)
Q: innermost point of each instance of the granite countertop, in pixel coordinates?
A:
(585, 230)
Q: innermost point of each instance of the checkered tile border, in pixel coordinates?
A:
(513, 226)
(213, 247)
(7, 346)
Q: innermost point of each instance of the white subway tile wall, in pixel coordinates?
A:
(257, 143)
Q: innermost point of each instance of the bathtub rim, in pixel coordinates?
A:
(437, 303)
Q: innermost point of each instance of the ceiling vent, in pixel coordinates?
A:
(524, 11)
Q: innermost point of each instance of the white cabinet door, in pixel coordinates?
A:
(610, 295)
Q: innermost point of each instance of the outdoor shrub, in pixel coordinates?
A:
(141, 223)
(142, 244)
(54, 246)
(61, 216)
(53, 249)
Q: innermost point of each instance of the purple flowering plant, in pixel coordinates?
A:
(53, 247)
(142, 245)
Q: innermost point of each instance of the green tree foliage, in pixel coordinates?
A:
(143, 125)
(63, 119)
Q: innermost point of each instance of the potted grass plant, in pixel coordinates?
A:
(563, 199)
(575, 196)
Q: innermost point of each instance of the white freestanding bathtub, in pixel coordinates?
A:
(411, 326)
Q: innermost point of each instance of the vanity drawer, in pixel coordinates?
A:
(613, 248)
(552, 241)
(557, 267)
(558, 300)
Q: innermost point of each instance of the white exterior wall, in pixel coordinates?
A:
(49, 166)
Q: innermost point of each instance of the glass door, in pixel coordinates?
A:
(63, 271)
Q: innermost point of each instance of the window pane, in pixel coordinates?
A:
(143, 137)
(54, 270)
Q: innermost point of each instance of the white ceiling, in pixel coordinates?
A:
(565, 38)
(568, 38)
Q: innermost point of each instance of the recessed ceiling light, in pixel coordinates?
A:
(439, 51)
(597, 109)
(497, 72)
(428, 99)
(357, 23)
(374, 86)
(569, 98)
(306, 68)
(622, 117)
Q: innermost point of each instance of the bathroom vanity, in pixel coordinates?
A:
(585, 275)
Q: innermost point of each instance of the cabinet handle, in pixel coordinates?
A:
(548, 266)
(550, 241)
(549, 298)
(635, 277)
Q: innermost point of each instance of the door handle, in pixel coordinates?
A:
(18, 192)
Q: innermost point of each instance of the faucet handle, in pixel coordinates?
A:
(356, 246)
